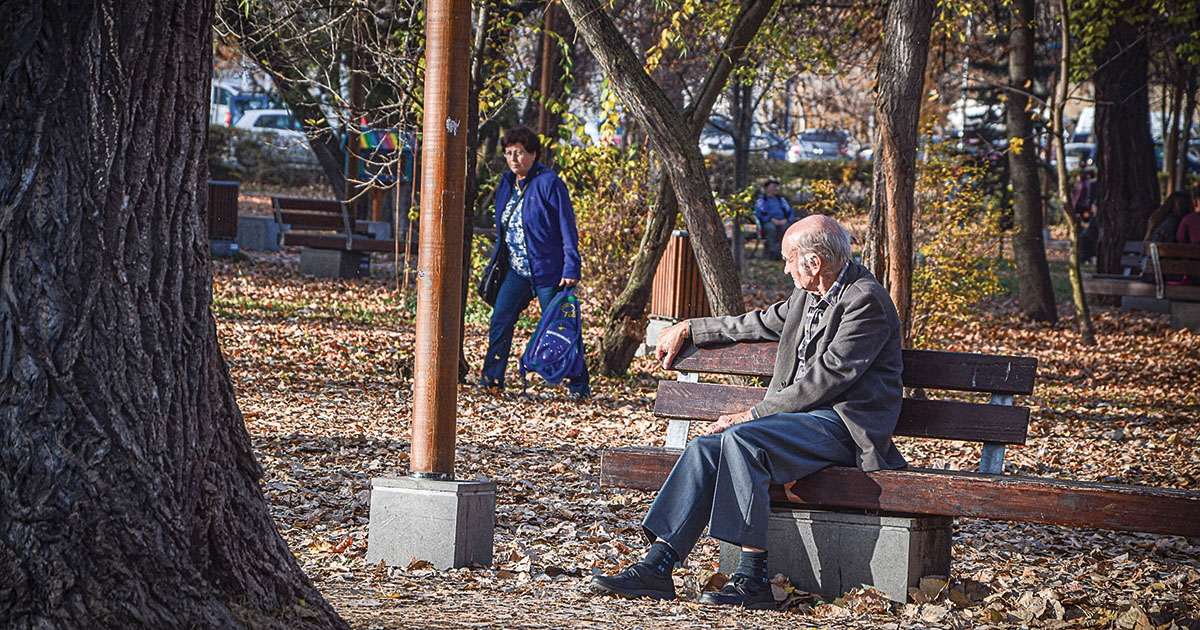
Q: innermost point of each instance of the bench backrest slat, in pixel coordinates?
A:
(331, 206)
(938, 419)
(927, 369)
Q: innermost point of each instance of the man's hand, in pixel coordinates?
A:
(670, 342)
(568, 282)
(724, 422)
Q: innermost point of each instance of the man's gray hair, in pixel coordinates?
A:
(826, 239)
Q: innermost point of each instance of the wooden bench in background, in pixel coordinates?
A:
(841, 528)
(334, 244)
(1164, 262)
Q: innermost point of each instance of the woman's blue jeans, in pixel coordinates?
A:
(516, 292)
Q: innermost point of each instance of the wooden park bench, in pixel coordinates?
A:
(334, 244)
(841, 528)
(1164, 261)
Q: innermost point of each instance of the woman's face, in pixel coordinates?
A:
(519, 160)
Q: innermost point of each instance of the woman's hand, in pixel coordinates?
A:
(568, 282)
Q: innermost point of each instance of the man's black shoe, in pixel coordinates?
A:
(742, 591)
(636, 581)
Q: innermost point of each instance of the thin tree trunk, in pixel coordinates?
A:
(1171, 131)
(627, 319)
(1127, 186)
(1087, 334)
(671, 138)
(1185, 132)
(1034, 290)
(900, 86)
(131, 494)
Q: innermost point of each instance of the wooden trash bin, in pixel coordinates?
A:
(222, 210)
(678, 292)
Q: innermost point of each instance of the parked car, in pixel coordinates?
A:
(281, 132)
(820, 144)
(1080, 155)
(239, 104)
(218, 109)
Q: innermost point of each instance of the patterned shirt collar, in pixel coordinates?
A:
(835, 290)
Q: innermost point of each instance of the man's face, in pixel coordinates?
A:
(772, 190)
(794, 264)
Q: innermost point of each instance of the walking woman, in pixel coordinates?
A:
(536, 234)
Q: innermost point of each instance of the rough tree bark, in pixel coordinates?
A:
(626, 322)
(900, 85)
(1034, 291)
(129, 493)
(1126, 182)
(671, 138)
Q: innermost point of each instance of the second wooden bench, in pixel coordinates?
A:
(334, 244)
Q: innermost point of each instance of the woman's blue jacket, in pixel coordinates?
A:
(551, 237)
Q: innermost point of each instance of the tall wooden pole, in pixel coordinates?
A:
(439, 276)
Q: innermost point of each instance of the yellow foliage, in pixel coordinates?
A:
(957, 236)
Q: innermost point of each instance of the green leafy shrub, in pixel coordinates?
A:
(612, 194)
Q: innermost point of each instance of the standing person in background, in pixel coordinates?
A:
(536, 234)
(774, 215)
(1188, 231)
(1083, 196)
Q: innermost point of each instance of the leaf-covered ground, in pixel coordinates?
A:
(323, 372)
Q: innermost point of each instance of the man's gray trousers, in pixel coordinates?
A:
(723, 480)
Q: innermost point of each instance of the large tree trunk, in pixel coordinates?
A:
(671, 138)
(1034, 291)
(900, 85)
(130, 494)
(626, 323)
(1127, 186)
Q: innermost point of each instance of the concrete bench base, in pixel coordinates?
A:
(257, 233)
(334, 263)
(1185, 316)
(450, 524)
(829, 553)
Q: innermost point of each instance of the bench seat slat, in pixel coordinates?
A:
(922, 368)
(1137, 288)
(1118, 507)
(334, 241)
(313, 221)
(941, 419)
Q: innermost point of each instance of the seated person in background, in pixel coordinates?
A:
(1164, 222)
(1188, 231)
(774, 215)
(834, 399)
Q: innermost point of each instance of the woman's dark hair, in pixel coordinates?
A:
(524, 137)
(769, 182)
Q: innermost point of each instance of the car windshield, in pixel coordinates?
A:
(278, 121)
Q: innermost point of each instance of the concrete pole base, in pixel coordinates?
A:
(447, 523)
(829, 553)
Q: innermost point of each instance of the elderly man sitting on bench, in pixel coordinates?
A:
(834, 399)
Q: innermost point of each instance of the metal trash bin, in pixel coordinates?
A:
(678, 292)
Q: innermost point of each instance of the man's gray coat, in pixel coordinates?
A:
(853, 363)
